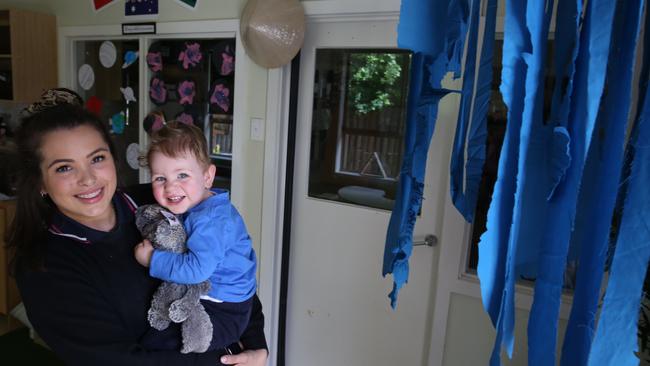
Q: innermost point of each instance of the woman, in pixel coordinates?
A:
(74, 235)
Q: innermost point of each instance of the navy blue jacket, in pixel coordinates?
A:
(90, 304)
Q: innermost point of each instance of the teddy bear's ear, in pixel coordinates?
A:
(170, 217)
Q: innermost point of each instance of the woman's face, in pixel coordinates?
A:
(79, 175)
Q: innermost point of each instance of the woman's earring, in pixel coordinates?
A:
(43, 194)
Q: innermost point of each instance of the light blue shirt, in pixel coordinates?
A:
(219, 249)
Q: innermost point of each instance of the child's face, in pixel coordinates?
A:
(180, 183)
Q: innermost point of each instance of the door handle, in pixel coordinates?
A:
(429, 240)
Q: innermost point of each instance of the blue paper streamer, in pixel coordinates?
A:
(616, 336)
(529, 212)
(599, 185)
(494, 249)
(430, 63)
(471, 128)
(542, 329)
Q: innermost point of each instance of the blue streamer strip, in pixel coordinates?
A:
(429, 64)
(494, 248)
(616, 336)
(529, 211)
(542, 329)
(600, 183)
(472, 117)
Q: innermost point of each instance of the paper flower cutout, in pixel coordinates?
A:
(185, 118)
(191, 56)
(117, 122)
(154, 121)
(157, 91)
(220, 96)
(186, 92)
(154, 60)
(94, 105)
(227, 62)
(133, 156)
(129, 95)
(86, 76)
(129, 58)
(107, 54)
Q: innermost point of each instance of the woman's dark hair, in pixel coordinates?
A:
(27, 234)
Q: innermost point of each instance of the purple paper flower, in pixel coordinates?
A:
(191, 56)
(220, 96)
(185, 118)
(154, 60)
(157, 91)
(154, 121)
(186, 92)
(227, 66)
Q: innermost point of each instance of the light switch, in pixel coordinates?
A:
(257, 129)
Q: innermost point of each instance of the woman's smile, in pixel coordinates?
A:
(79, 175)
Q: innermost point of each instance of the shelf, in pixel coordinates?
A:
(221, 156)
(4, 55)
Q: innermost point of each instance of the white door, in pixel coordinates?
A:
(338, 312)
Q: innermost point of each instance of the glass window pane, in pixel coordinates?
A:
(358, 125)
(104, 90)
(192, 81)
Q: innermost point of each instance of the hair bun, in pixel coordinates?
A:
(53, 97)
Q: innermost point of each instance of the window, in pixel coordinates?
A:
(359, 113)
(496, 124)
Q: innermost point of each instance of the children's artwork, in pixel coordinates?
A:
(129, 58)
(191, 56)
(220, 97)
(128, 94)
(107, 54)
(190, 4)
(154, 61)
(94, 105)
(117, 122)
(101, 4)
(186, 92)
(154, 121)
(133, 156)
(224, 58)
(157, 91)
(185, 118)
(140, 7)
(86, 76)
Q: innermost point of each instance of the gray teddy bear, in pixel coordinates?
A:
(172, 301)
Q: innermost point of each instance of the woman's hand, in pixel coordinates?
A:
(143, 252)
(255, 357)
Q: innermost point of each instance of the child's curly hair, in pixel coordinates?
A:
(177, 139)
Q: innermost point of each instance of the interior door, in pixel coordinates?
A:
(338, 312)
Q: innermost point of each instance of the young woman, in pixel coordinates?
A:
(74, 236)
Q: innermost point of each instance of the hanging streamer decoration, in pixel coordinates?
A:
(616, 339)
(471, 129)
(524, 51)
(551, 168)
(597, 197)
(494, 249)
(542, 330)
(443, 20)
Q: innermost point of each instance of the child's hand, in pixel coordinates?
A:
(143, 252)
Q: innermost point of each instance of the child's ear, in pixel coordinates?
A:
(208, 176)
